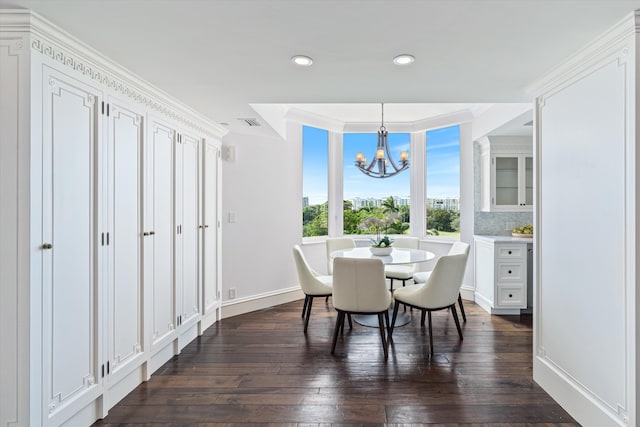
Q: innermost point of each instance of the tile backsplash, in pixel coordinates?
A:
(494, 223)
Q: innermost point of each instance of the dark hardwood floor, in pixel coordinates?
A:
(260, 369)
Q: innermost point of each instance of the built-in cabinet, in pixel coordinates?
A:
(506, 174)
(117, 237)
(501, 273)
(120, 243)
(70, 282)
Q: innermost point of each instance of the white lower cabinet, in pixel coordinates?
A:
(501, 274)
(107, 268)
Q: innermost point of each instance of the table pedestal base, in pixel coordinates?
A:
(371, 320)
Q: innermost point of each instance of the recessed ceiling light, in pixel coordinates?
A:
(404, 59)
(302, 60)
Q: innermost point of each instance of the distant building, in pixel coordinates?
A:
(446, 203)
(305, 202)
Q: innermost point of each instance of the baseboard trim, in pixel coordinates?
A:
(260, 301)
(467, 293)
(586, 409)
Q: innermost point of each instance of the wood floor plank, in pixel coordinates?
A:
(260, 369)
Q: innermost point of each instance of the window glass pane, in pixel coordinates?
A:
(443, 182)
(315, 169)
(365, 196)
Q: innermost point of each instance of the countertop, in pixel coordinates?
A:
(507, 239)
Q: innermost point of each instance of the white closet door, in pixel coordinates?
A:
(70, 300)
(161, 230)
(123, 169)
(189, 228)
(210, 220)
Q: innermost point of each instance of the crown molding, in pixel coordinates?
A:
(614, 40)
(55, 43)
(315, 120)
(338, 126)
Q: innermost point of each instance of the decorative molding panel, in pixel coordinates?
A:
(57, 44)
(124, 88)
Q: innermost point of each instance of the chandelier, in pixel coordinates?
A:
(379, 166)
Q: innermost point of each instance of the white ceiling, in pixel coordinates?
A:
(220, 56)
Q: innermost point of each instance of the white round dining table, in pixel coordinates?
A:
(397, 256)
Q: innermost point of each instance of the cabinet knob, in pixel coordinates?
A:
(146, 233)
(47, 246)
(509, 252)
(510, 295)
(509, 271)
(201, 226)
(151, 233)
(206, 226)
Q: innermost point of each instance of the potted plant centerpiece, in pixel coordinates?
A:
(380, 245)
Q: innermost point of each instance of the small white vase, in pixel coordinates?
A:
(381, 251)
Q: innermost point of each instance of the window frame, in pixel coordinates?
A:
(417, 182)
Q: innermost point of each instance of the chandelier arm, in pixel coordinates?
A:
(393, 164)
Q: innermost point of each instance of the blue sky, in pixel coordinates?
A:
(443, 165)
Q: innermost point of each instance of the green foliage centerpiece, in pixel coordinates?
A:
(375, 225)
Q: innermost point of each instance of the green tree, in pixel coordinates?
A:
(389, 205)
(351, 220)
(404, 212)
(398, 227)
(440, 219)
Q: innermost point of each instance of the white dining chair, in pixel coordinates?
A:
(312, 284)
(359, 287)
(439, 292)
(422, 276)
(336, 244)
(402, 272)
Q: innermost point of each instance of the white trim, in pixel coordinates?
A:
(55, 43)
(588, 55)
(335, 218)
(302, 117)
(418, 184)
(260, 301)
(578, 401)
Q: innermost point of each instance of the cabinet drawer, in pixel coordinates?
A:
(511, 296)
(511, 272)
(511, 251)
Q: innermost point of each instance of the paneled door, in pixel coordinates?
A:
(122, 238)
(210, 242)
(158, 233)
(70, 300)
(187, 205)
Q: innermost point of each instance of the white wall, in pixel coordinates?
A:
(585, 327)
(262, 186)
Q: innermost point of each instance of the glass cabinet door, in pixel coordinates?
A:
(528, 181)
(506, 181)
